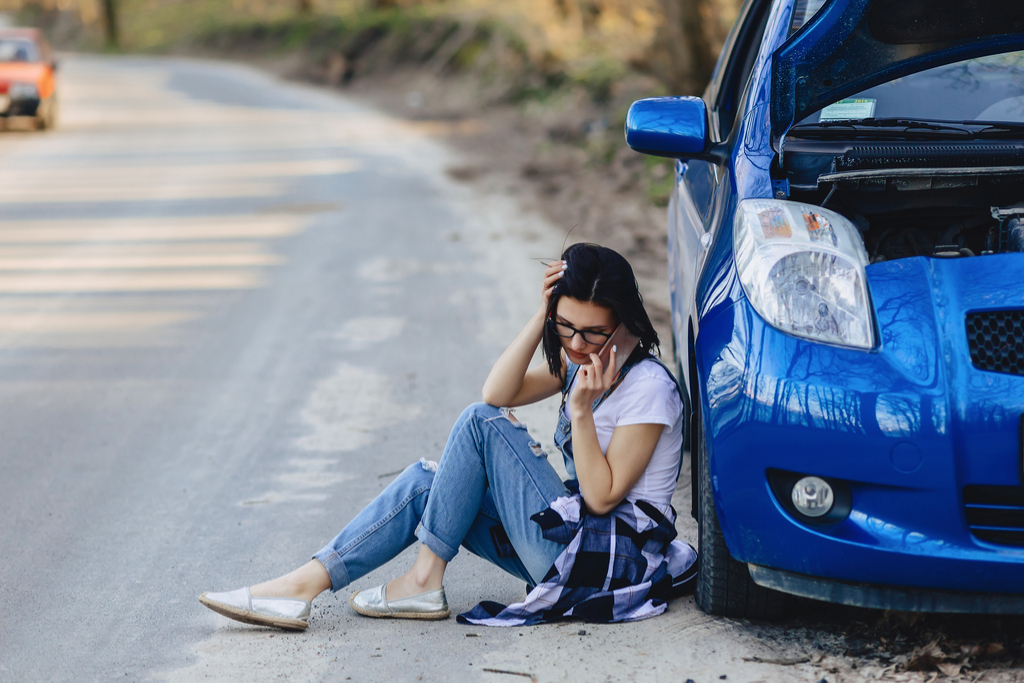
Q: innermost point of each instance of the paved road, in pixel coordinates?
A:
(230, 310)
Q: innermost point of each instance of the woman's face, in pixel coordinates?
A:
(586, 317)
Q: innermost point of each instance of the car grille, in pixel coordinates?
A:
(996, 513)
(996, 340)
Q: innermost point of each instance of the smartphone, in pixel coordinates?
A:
(624, 342)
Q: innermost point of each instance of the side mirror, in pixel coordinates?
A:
(675, 127)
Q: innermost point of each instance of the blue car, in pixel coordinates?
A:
(847, 277)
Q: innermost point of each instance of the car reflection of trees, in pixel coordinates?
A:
(796, 383)
(988, 411)
(955, 92)
(989, 80)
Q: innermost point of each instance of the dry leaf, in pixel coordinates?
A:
(995, 650)
(926, 658)
(951, 669)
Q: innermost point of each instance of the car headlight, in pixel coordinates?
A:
(23, 91)
(802, 269)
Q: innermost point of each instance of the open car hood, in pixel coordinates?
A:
(852, 45)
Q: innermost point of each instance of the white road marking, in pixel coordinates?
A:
(361, 333)
(346, 407)
(79, 323)
(151, 229)
(145, 281)
(169, 181)
(384, 269)
(9, 262)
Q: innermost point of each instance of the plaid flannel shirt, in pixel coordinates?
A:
(622, 566)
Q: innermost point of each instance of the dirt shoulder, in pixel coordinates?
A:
(565, 157)
(560, 153)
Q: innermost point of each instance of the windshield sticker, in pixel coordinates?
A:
(774, 223)
(819, 229)
(846, 110)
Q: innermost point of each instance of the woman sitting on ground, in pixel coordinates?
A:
(494, 492)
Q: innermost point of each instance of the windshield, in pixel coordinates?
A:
(988, 89)
(18, 50)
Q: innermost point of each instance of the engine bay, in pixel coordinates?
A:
(925, 199)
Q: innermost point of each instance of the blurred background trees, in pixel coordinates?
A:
(110, 26)
(688, 41)
(677, 41)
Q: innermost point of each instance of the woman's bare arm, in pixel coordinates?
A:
(509, 382)
(605, 480)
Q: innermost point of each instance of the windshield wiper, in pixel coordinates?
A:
(1001, 130)
(892, 127)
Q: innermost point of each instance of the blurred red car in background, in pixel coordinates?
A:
(27, 86)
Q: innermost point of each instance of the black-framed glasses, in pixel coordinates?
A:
(568, 332)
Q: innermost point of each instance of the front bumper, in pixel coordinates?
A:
(907, 426)
(19, 107)
(885, 597)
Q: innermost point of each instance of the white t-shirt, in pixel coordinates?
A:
(647, 395)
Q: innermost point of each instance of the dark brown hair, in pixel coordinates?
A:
(600, 276)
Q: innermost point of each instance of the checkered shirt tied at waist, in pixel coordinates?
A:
(615, 567)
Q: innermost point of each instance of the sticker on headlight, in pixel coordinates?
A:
(774, 223)
(819, 229)
(802, 269)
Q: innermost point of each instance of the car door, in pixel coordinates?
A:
(689, 230)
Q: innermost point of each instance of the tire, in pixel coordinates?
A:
(46, 118)
(724, 586)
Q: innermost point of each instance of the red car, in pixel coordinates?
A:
(27, 86)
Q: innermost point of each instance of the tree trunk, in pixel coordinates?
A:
(686, 47)
(110, 23)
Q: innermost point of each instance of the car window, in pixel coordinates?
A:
(984, 89)
(740, 64)
(18, 50)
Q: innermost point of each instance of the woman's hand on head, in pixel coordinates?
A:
(511, 381)
(592, 381)
(552, 274)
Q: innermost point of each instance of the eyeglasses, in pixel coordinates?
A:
(568, 332)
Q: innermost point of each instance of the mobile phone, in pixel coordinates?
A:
(624, 342)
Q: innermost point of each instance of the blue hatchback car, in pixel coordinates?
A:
(847, 276)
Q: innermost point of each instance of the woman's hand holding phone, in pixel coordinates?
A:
(623, 341)
(592, 381)
(595, 379)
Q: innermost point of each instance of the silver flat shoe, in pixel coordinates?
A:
(373, 603)
(286, 613)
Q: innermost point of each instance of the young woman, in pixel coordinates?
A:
(597, 547)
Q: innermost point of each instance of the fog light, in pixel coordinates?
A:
(812, 496)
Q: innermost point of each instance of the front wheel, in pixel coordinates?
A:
(46, 117)
(724, 586)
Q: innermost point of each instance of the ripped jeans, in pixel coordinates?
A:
(491, 478)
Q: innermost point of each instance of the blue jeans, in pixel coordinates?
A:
(491, 478)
